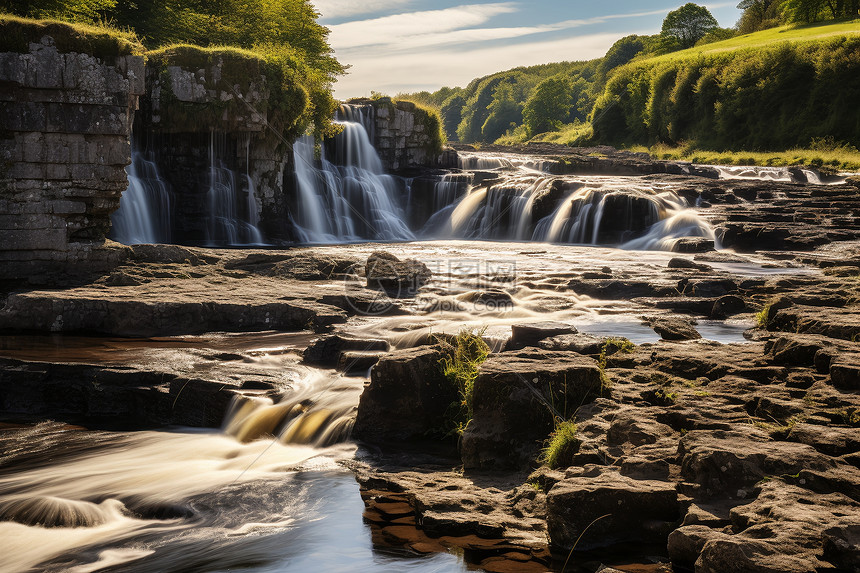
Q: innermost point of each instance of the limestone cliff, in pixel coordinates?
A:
(406, 135)
(65, 121)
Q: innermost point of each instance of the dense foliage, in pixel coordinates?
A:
(764, 14)
(492, 106)
(284, 34)
(771, 97)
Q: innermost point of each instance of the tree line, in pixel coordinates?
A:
(520, 104)
(284, 33)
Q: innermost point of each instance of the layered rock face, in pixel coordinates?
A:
(405, 135)
(64, 145)
(208, 117)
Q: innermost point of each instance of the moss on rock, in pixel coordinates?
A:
(16, 35)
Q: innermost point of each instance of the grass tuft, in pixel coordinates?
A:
(465, 353)
(561, 445)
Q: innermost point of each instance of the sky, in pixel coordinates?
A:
(403, 46)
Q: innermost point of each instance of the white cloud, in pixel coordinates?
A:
(394, 30)
(342, 8)
(430, 70)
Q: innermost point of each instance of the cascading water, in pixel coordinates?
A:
(533, 206)
(145, 208)
(231, 219)
(350, 198)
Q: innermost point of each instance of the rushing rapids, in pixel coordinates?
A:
(342, 195)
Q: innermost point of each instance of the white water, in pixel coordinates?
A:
(592, 210)
(145, 210)
(350, 198)
(233, 214)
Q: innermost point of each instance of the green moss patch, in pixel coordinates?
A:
(277, 76)
(16, 35)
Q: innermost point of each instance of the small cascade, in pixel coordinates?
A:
(145, 208)
(601, 217)
(349, 198)
(308, 416)
(449, 189)
(469, 162)
(232, 214)
(502, 211)
(754, 172)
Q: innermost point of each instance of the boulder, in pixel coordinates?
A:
(516, 396)
(730, 463)
(580, 343)
(407, 397)
(356, 362)
(727, 305)
(693, 245)
(638, 511)
(674, 328)
(845, 375)
(682, 263)
(327, 350)
(400, 278)
(530, 334)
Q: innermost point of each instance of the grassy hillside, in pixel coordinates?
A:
(771, 90)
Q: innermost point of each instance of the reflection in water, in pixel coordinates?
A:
(73, 500)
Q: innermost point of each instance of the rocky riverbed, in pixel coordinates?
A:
(724, 436)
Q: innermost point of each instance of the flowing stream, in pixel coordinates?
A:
(268, 492)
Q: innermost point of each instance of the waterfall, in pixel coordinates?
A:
(231, 219)
(482, 163)
(349, 198)
(305, 416)
(145, 209)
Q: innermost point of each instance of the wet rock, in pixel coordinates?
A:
(713, 287)
(166, 312)
(530, 334)
(693, 245)
(613, 289)
(516, 396)
(132, 396)
(406, 399)
(674, 328)
(686, 543)
(727, 305)
(356, 362)
(639, 511)
(845, 375)
(327, 350)
(580, 343)
(681, 263)
(401, 278)
(491, 299)
(842, 545)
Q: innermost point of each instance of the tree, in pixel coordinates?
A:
(688, 24)
(452, 114)
(505, 113)
(621, 53)
(83, 11)
(548, 106)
